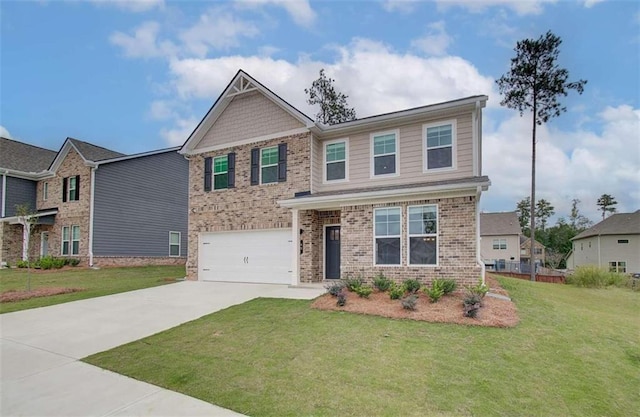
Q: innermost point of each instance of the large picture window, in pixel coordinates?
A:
(269, 165)
(423, 235)
(387, 236)
(335, 159)
(385, 153)
(439, 152)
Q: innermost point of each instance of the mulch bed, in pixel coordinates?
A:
(20, 295)
(493, 313)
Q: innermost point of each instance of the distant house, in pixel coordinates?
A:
(500, 240)
(525, 251)
(100, 206)
(614, 243)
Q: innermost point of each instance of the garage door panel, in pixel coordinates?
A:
(254, 256)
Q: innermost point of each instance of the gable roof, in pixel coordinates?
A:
(525, 241)
(88, 152)
(22, 157)
(616, 224)
(499, 224)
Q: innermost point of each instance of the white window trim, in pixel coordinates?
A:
(454, 145)
(62, 241)
(260, 166)
(375, 255)
(179, 244)
(437, 235)
(372, 175)
(324, 247)
(72, 240)
(45, 191)
(346, 161)
(213, 173)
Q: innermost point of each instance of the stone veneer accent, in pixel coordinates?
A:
(456, 241)
(245, 207)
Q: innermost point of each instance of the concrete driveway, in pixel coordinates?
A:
(40, 374)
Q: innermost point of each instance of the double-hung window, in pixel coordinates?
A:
(423, 235)
(269, 165)
(618, 266)
(439, 145)
(45, 191)
(75, 240)
(499, 244)
(387, 235)
(71, 189)
(220, 172)
(384, 153)
(65, 240)
(70, 240)
(335, 159)
(174, 243)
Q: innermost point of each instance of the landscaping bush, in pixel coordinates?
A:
(435, 292)
(591, 276)
(382, 283)
(74, 262)
(396, 291)
(471, 304)
(411, 285)
(448, 285)
(364, 291)
(335, 288)
(22, 264)
(479, 289)
(354, 283)
(342, 299)
(410, 302)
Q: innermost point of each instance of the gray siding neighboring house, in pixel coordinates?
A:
(138, 201)
(19, 191)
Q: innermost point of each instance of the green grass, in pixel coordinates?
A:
(95, 283)
(576, 352)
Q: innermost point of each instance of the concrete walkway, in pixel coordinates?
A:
(40, 374)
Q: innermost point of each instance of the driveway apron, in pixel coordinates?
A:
(40, 374)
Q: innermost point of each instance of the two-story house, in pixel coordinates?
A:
(276, 198)
(102, 207)
(500, 240)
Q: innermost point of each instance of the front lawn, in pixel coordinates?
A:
(576, 352)
(94, 283)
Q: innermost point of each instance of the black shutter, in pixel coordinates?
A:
(231, 170)
(77, 187)
(64, 190)
(282, 162)
(207, 173)
(255, 166)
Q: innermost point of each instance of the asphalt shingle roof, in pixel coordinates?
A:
(499, 224)
(23, 157)
(616, 224)
(92, 152)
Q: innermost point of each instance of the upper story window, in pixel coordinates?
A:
(220, 172)
(71, 188)
(423, 235)
(269, 165)
(499, 244)
(623, 240)
(335, 160)
(439, 145)
(45, 191)
(387, 236)
(384, 153)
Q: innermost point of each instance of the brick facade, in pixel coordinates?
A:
(109, 261)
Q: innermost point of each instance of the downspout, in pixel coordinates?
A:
(475, 131)
(478, 255)
(91, 212)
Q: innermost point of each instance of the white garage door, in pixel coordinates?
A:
(254, 256)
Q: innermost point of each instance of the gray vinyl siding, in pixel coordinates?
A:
(138, 202)
(19, 191)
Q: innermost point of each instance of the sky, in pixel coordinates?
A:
(135, 76)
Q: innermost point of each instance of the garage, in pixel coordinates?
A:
(261, 256)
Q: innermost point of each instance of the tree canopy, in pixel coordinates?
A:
(606, 204)
(333, 104)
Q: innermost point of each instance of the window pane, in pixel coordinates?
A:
(439, 158)
(387, 222)
(220, 164)
(336, 152)
(384, 144)
(269, 156)
(65, 233)
(422, 250)
(423, 220)
(75, 248)
(384, 165)
(220, 181)
(65, 247)
(174, 238)
(76, 232)
(174, 250)
(439, 136)
(388, 251)
(336, 171)
(270, 174)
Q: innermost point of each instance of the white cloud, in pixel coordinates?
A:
(144, 42)
(4, 132)
(591, 3)
(520, 7)
(595, 164)
(299, 10)
(402, 6)
(179, 134)
(217, 29)
(131, 5)
(161, 110)
(436, 41)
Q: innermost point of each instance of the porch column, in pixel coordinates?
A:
(295, 247)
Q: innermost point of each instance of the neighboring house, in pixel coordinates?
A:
(614, 243)
(99, 206)
(500, 240)
(525, 252)
(275, 197)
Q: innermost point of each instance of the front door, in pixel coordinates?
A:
(332, 252)
(44, 244)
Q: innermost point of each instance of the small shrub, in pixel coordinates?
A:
(45, 263)
(382, 283)
(342, 299)
(479, 289)
(396, 291)
(471, 304)
(364, 291)
(435, 292)
(335, 288)
(354, 283)
(74, 261)
(591, 276)
(410, 302)
(411, 285)
(448, 285)
(22, 264)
